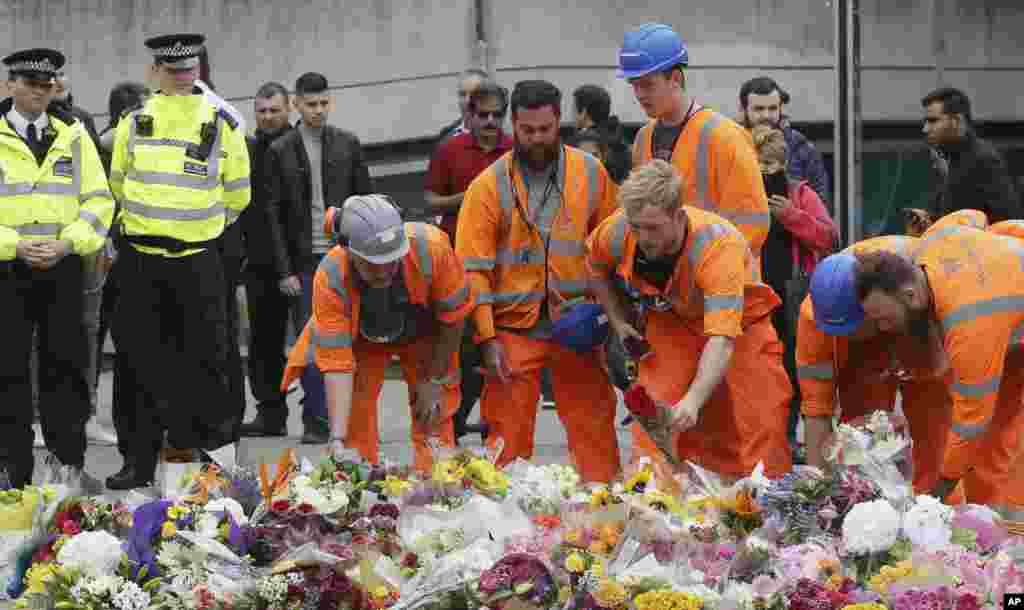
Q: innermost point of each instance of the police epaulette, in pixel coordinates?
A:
(230, 120)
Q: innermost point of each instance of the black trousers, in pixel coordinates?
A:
(49, 302)
(268, 327)
(235, 371)
(172, 342)
(472, 382)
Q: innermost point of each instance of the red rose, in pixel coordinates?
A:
(70, 528)
(281, 506)
(339, 475)
(639, 402)
(410, 560)
(305, 508)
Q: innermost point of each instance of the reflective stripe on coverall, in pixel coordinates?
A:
(515, 268)
(718, 162)
(710, 294)
(977, 283)
(330, 340)
(856, 370)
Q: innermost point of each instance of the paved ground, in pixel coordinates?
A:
(101, 461)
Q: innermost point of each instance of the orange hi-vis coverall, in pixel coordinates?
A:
(710, 294)
(977, 284)
(718, 162)
(523, 256)
(862, 375)
(437, 292)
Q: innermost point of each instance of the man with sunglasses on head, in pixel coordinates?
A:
(520, 236)
(391, 289)
(459, 160)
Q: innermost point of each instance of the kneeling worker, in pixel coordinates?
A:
(961, 291)
(715, 357)
(861, 371)
(395, 289)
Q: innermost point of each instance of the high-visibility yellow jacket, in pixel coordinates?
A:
(165, 186)
(66, 197)
(716, 157)
(512, 265)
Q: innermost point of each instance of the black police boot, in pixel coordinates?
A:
(131, 476)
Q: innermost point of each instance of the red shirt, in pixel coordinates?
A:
(454, 166)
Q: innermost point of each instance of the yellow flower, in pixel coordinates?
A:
(37, 577)
(168, 530)
(662, 501)
(563, 595)
(666, 599)
(888, 575)
(177, 512)
(395, 487)
(448, 471)
(574, 537)
(597, 569)
(639, 481)
(575, 563)
(380, 592)
(600, 497)
(610, 594)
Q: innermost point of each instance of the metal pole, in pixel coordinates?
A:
(939, 41)
(848, 121)
(481, 36)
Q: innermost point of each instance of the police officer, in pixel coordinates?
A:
(180, 173)
(56, 208)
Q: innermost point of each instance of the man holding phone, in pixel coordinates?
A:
(715, 362)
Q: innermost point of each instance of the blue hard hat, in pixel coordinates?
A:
(582, 328)
(837, 310)
(651, 47)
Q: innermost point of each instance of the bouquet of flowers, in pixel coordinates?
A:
(795, 503)
(519, 578)
(654, 421)
(52, 585)
(871, 531)
(879, 446)
(541, 490)
(472, 472)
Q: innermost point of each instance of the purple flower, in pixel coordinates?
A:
(382, 522)
(146, 523)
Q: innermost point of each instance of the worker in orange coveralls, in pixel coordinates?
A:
(860, 373)
(715, 359)
(520, 234)
(961, 289)
(395, 289)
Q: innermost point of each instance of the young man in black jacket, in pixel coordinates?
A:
(310, 169)
(267, 305)
(975, 174)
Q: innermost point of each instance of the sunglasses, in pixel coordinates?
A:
(497, 115)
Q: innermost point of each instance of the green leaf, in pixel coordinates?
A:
(150, 585)
(65, 604)
(143, 571)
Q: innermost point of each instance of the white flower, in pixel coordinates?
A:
(273, 589)
(738, 595)
(206, 525)
(325, 502)
(171, 554)
(131, 597)
(927, 524)
(103, 585)
(871, 527)
(93, 553)
(228, 505)
(77, 592)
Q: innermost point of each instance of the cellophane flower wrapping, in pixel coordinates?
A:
(450, 572)
(879, 446)
(32, 510)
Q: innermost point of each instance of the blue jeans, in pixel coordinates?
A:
(314, 404)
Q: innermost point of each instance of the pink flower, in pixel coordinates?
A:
(305, 508)
(70, 528)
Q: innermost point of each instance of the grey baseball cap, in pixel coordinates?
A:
(374, 229)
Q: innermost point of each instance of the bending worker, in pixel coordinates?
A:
(861, 370)
(395, 289)
(962, 291)
(520, 233)
(715, 356)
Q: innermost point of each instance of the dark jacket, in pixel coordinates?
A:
(288, 188)
(255, 219)
(82, 116)
(978, 179)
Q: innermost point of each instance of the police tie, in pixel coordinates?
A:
(33, 143)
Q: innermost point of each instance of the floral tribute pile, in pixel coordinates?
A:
(341, 534)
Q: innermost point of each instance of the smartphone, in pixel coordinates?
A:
(636, 348)
(776, 184)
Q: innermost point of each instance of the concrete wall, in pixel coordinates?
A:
(394, 62)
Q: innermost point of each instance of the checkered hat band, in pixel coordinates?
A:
(42, 65)
(179, 50)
